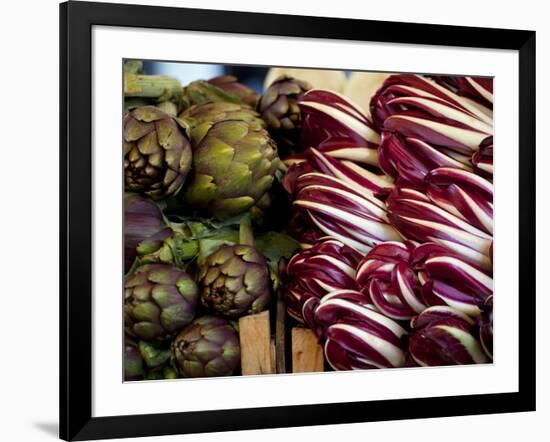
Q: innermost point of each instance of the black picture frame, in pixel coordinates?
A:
(76, 21)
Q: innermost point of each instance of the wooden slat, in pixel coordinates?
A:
(307, 354)
(255, 338)
(280, 335)
(273, 356)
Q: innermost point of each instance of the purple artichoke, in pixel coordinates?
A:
(235, 281)
(209, 346)
(134, 369)
(144, 228)
(159, 300)
(279, 109)
(157, 153)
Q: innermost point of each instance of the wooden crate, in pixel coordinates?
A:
(267, 351)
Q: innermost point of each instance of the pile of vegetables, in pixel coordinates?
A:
(374, 225)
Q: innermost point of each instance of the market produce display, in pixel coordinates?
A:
(366, 223)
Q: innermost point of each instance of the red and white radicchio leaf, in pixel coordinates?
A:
(387, 277)
(449, 279)
(479, 89)
(345, 208)
(337, 127)
(311, 273)
(357, 336)
(443, 336)
(483, 158)
(430, 125)
(418, 218)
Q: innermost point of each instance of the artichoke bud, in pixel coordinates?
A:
(133, 361)
(235, 280)
(279, 108)
(209, 346)
(144, 228)
(157, 152)
(234, 158)
(159, 300)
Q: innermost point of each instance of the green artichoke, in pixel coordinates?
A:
(209, 113)
(279, 108)
(160, 300)
(209, 346)
(234, 159)
(133, 361)
(157, 152)
(235, 281)
(224, 88)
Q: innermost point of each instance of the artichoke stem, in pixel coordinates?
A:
(161, 87)
(246, 236)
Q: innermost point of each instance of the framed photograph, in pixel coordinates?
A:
(274, 220)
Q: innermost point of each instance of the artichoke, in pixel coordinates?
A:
(160, 300)
(203, 113)
(150, 238)
(157, 357)
(144, 227)
(148, 360)
(235, 281)
(157, 153)
(133, 361)
(234, 159)
(224, 88)
(209, 346)
(279, 109)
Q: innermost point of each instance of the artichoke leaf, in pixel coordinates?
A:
(154, 354)
(276, 245)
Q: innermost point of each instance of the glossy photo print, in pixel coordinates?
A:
(287, 220)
